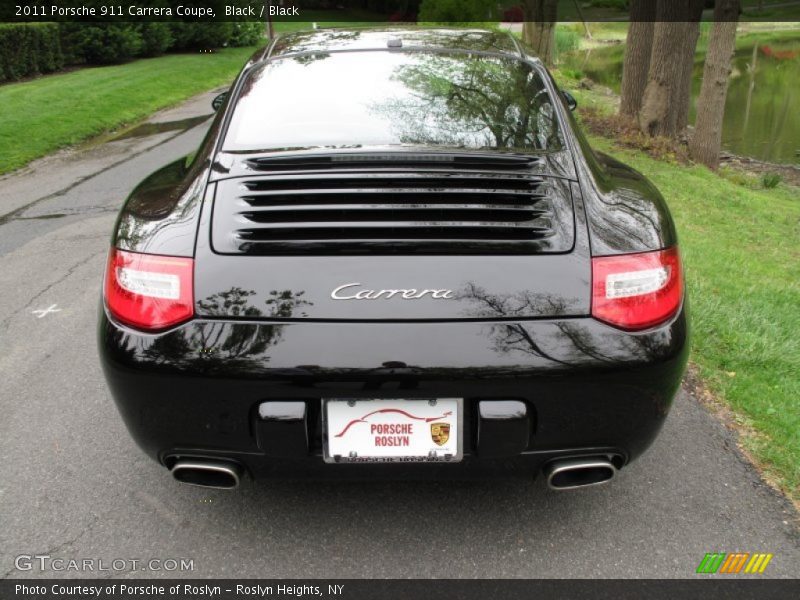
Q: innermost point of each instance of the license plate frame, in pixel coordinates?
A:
(418, 412)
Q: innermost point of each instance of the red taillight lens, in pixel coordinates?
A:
(637, 291)
(147, 291)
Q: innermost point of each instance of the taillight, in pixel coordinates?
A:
(637, 291)
(147, 291)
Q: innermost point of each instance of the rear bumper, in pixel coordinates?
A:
(590, 389)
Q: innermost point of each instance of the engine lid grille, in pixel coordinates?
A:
(355, 209)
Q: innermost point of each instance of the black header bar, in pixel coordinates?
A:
(332, 12)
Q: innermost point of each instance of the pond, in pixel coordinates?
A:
(761, 116)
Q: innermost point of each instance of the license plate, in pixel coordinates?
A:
(393, 430)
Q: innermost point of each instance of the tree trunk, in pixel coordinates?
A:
(583, 20)
(683, 91)
(658, 114)
(750, 88)
(705, 145)
(269, 30)
(686, 51)
(539, 29)
(527, 29)
(637, 56)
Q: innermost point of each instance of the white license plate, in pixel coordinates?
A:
(393, 430)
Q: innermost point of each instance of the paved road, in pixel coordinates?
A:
(73, 485)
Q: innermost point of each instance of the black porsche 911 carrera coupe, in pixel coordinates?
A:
(394, 254)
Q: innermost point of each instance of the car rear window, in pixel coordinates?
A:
(381, 98)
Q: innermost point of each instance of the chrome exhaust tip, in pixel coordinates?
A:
(576, 473)
(221, 475)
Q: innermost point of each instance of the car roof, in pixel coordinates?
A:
(333, 40)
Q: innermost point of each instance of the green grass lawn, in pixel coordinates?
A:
(43, 115)
(741, 250)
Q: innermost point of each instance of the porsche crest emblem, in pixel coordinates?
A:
(440, 433)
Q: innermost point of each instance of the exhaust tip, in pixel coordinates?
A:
(579, 473)
(219, 475)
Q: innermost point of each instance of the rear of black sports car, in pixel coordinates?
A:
(394, 254)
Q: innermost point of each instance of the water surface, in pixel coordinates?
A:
(762, 119)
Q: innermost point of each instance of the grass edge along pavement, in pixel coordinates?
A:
(40, 116)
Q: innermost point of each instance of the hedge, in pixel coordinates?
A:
(101, 43)
(29, 49)
(35, 48)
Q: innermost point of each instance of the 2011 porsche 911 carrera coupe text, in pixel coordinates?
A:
(394, 252)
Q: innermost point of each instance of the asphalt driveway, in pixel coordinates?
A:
(73, 485)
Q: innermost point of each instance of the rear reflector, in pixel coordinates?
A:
(637, 291)
(147, 291)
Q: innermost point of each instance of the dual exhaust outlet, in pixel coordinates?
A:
(573, 473)
(566, 474)
(217, 474)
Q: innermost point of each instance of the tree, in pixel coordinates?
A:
(637, 56)
(683, 91)
(658, 113)
(480, 103)
(686, 51)
(539, 28)
(269, 28)
(705, 145)
(583, 19)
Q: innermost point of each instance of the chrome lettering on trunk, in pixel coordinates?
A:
(344, 293)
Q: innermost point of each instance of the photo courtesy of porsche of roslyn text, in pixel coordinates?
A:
(336, 299)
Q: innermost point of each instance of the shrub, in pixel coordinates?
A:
(36, 48)
(574, 74)
(156, 38)
(567, 40)
(29, 49)
(771, 180)
(201, 35)
(102, 43)
(246, 34)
